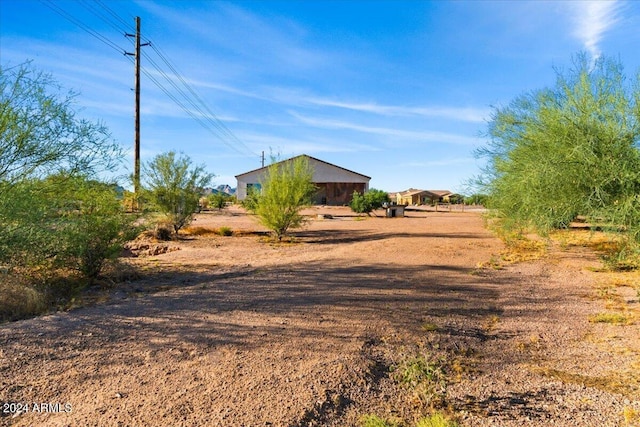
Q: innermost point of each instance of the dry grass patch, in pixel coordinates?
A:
(491, 323)
(624, 383)
(429, 327)
(198, 231)
(612, 318)
(534, 342)
(517, 250)
(207, 231)
(617, 253)
(631, 417)
(523, 249)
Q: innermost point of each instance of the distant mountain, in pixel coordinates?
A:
(226, 189)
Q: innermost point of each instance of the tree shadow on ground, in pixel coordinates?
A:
(254, 307)
(354, 236)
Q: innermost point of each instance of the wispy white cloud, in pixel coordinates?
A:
(426, 136)
(297, 97)
(294, 145)
(592, 20)
(263, 43)
(466, 114)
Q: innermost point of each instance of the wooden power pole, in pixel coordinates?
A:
(136, 156)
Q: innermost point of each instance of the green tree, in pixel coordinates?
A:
(219, 200)
(475, 199)
(73, 223)
(566, 151)
(174, 185)
(40, 133)
(368, 201)
(286, 189)
(41, 136)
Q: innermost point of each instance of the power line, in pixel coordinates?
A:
(90, 6)
(50, 4)
(187, 96)
(111, 12)
(192, 97)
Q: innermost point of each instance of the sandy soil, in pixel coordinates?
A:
(238, 331)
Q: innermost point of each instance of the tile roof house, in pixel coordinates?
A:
(413, 196)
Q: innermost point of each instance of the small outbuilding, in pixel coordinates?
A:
(394, 211)
(335, 184)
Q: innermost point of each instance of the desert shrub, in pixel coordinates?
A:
(286, 189)
(368, 201)
(203, 202)
(218, 200)
(250, 202)
(225, 231)
(97, 227)
(64, 222)
(57, 223)
(173, 187)
(476, 199)
(162, 230)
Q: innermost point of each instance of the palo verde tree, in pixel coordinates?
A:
(40, 133)
(72, 222)
(286, 188)
(569, 150)
(173, 186)
(48, 157)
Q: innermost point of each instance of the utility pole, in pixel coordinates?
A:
(136, 158)
(263, 159)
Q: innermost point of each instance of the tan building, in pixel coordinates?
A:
(413, 196)
(335, 184)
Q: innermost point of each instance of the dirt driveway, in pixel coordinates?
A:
(237, 331)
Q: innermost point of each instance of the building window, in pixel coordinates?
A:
(253, 188)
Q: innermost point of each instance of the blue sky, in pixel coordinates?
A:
(397, 90)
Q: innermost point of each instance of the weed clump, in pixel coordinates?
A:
(375, 421)
(426, 379)
(436, 420)
(224, 231)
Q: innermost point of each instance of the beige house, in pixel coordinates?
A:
(413, 196)
(335, 184)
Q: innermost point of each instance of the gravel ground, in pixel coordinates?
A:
(238, 331)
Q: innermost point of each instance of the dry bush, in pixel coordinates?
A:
(623, 382)
(224, 231)
(162, 231)
(198, 231)
(18, 300)
(206, 231)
